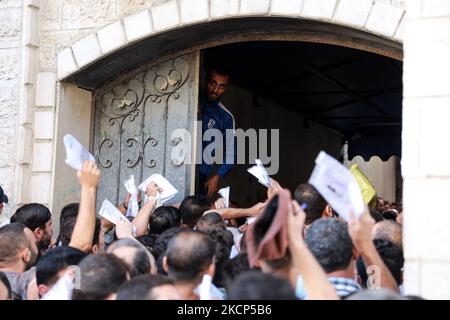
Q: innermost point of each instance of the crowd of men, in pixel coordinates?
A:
(175, 252)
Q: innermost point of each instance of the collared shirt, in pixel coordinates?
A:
(344, 286)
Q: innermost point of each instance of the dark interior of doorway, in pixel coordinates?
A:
(319, 96)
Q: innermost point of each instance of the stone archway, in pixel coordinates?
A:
(178, 27)
(181, 25)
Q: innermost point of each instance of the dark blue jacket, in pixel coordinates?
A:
(216, 116)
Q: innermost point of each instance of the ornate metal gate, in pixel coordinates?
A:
(134, 125)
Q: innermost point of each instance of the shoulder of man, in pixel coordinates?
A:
(229, 116)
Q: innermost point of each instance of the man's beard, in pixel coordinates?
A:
(213, 97)
(43, 244)
(33, 260)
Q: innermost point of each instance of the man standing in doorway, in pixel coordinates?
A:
(214, 115)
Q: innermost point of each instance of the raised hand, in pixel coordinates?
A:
(89, 175)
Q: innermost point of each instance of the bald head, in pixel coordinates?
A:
(138, 258)
(189, 255)
(388, 230)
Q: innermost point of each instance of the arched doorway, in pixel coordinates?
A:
(318, 97)
(95, 68)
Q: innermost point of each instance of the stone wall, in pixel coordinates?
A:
(426, 148)
(10, 41)
(28, 63)
(63, 22)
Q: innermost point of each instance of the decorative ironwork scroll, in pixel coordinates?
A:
(123, 138)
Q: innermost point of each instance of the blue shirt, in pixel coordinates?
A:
(216, 116)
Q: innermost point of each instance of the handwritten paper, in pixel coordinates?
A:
(337, 185)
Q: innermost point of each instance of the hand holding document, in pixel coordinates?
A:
(76, 154)
(111, 213)
(337, 185)
(225, 194)
(133, 206)
(260, 173)
(168, 190)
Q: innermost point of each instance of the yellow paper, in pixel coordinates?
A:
(368, 191)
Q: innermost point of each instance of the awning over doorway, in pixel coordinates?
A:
(355, 93)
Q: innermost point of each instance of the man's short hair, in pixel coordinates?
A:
(70, 210)
(140, 288)
(54, 261)
(220, 69)
(163, 218)
(101, 275)
(236, 266)
(329, 241)
(192, 208)
(140, 262)
(148, 241)
(12, 240)
(163, 239)
(392, 257)
(189, 254)
(389, 230)
(66, 230)
(210, 220)
(376, 215)
(224, 242)
(390, 214)
(255, 285)
(316, 204)
(33, 215)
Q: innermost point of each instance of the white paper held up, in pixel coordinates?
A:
(76, 154)
(225, 193)
(133, 206)
(110, 212)
(260, 173)
(169, 190)
(337, 185)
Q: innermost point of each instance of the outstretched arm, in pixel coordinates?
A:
(83, 232)
(143, 217)
(235, 213)
(361, 234)
(315, 280)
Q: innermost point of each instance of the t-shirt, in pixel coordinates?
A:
(19, 283)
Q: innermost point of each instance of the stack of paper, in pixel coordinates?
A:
(260, 173)
(225, 194)
(168, 190)
(76, 154)
(337, 185)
